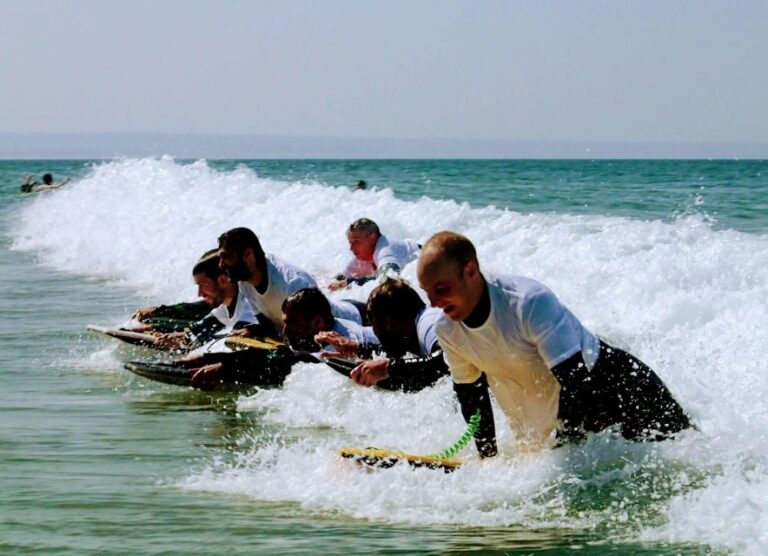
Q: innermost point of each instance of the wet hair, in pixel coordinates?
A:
(208, 265)
(309, 303)
(365, 225)
(47, 179)
(455, 247)
(241, 239)
(396, 299)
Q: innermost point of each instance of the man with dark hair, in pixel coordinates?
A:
(404, 325)
(374, 254)
(230, 312)
(546, 370)
(266, 281)
(305, 314)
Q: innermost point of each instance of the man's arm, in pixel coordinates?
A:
(474, 397)
(205, 329)
(415, 373)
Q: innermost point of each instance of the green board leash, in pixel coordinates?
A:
(458, 446)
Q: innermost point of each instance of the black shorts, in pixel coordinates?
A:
(619, 390)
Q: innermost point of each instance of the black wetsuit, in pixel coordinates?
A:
(206, 328)
(256, 367)
(406, 374)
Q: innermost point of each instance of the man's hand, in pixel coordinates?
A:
(143, 313)
(171, 340)
(345, 347)
(240, 333)
(338, 284)
(370, 373)
(207, 377)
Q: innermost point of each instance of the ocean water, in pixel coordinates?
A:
(667, 258)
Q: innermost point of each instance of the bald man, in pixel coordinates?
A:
(547, 371)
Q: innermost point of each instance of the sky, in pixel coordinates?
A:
(644, 71)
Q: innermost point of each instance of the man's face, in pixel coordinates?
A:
(362, 244)
(393, 335)
(299, 332)
(231, 262)
(449, 286)
(210, 290)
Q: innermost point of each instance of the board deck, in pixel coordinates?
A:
(375, 457)
(240, 342)
(128, 336)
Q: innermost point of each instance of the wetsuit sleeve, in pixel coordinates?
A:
(261, 367)
(388, 267)
(416, 373)
(475, 397)
(361, 280)
(551, 328)
(189, 311)
(206, 328)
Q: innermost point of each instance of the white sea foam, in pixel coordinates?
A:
(689, 300)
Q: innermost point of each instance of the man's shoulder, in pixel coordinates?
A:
(444, 326)
(287, 269)
(517, 286)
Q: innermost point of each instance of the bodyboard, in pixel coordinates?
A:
(240, 342)
(161, 372)
(375, 457)
(128, 336)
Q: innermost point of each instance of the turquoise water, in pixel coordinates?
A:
(667, 257)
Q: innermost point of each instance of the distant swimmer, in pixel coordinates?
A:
(362, 184)
(266, 281)
(304, 314)
(546, 370)
(230, 310)
(31, 186)
(404, 325)
(374, 254)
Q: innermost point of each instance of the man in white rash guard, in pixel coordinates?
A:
(266, 281)
(546, 370)
(374, 254)
(307, 315)
(230, 312)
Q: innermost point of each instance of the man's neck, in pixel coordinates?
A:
(482, 310)
(263, 282)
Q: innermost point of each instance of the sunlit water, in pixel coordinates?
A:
(668, 259)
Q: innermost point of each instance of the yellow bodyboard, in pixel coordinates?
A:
(376, 457)
(239, 342)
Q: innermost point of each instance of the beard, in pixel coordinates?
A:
(239, 272)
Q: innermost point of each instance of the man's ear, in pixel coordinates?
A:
(223, 280)
(470, 270)
(249, 257)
